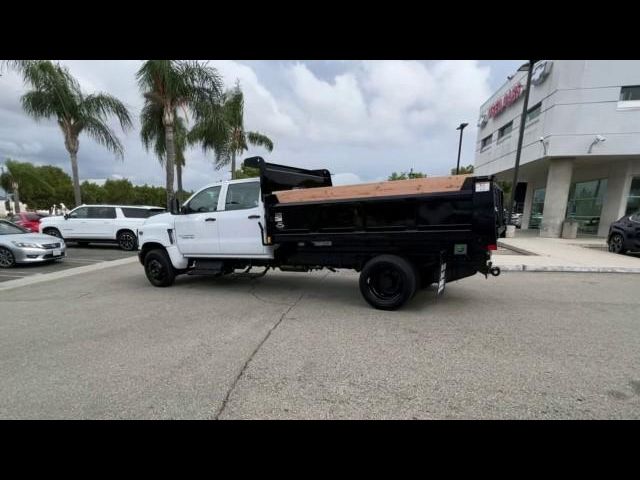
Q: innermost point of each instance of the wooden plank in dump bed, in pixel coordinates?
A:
(380, 189)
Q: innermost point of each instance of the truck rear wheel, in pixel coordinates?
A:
(158, 268)
(388, 281)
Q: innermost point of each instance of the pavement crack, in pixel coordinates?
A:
(255, 295)
(253, 354)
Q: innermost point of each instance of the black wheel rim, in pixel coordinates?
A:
(156, 270)
(127, 241)
(6, 258)
(386, 283)
(615, 244)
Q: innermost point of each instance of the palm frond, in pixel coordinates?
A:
(260, 140)
(102, 105)
(39, 104)
(100, 132)
(152, 128)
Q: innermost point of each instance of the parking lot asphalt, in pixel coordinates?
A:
(76, 257)
(523, 345)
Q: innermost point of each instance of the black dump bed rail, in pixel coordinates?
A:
(274, 178)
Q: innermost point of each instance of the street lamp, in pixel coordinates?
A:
(461, 128)
(529, 68)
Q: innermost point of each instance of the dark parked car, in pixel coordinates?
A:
(624, 234)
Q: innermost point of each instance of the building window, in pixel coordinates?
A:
(534, 112)
(486, 141)
(585, 204)
(633, 200)
(505, 130)
(630, 93)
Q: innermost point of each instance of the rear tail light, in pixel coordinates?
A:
(492, 246)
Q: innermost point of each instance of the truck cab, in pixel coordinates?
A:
(221, 220)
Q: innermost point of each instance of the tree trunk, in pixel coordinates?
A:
(171, 160)
(16, 197)
(76, 178)
(233, 165)
(179, 179)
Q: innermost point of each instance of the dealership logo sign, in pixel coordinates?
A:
(540, 72)
(506, 100)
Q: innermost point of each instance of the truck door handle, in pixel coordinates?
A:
(253, 217)
(210, 219)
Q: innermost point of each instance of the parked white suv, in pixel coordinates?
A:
(100, 223)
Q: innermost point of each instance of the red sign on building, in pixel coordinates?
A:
(507, 99)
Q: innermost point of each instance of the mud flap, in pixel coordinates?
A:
(443, 275)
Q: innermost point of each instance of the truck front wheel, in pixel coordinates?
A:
(158, 268)
(388, 281)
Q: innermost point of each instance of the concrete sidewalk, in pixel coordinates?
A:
(529, 252)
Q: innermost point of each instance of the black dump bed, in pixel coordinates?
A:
(461, 223)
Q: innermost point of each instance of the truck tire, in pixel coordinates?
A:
(388, 281)
(158, 268)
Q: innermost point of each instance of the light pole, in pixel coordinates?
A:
(523, 119)
(461, 128)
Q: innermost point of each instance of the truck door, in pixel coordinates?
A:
(100, 223)
(76, 224)
(240, 221)
(197, 227)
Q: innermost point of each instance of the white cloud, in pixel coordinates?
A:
(345, 179)
(367, 118)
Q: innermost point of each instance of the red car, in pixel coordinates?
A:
(28, 220)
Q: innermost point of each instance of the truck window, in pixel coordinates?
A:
(102, 212)
(205, 201)
(131, 212)
(82, 212)
(241, 196)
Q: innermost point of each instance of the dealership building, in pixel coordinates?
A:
(581, 147)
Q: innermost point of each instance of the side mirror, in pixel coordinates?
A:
(175, 206)
(66, 216)
(184, 209)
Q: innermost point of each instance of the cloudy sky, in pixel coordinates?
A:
(360, 119)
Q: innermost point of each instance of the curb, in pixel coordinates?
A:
(45, 277)
(519, 250)
(567, 269)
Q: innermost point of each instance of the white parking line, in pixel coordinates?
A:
(73, 259)
(32, 279)
(83, 260)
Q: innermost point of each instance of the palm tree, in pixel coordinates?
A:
(229, 138)
(10, 181)
(16, 175)
(173, 84)
(153, 132)
(56, 94)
